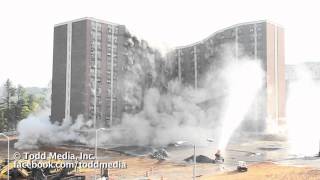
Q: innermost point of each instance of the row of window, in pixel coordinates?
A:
(93, 36)
(93, 44)
(112, 40)
(95, 71)
(95, 25)
(115, 31)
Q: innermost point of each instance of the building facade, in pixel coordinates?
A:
(94, 63)
(87, 66)
(100, 71)
(262, 41)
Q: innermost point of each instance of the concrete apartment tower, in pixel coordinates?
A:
(260, 40)
(87, 66)
(91, 57)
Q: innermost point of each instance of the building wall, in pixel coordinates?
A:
(275, 74)
(59, 73)
(282, 76)
(79, 64)
(95, 67)
(99, 54)
(261, 41)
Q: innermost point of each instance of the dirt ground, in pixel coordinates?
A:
(146, 168)
(269, 171)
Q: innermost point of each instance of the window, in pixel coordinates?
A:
(99, 27)
(258, 28)
(99, 92)
(98, 45)
(92, 64)
(99, 37)
(91, 70)
(93, 25)
(98, 64)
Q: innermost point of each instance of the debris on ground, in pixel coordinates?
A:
(242, 166)
(219, 158)
(200, 159)
(160, 154)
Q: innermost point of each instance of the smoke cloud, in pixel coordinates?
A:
(178, 114)
(37, 130)
(244, 82)
(303, 113)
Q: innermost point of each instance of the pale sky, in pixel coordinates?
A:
(26, 33)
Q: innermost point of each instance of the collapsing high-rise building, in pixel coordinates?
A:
(91, 60)
(260, 40)
(86, 68)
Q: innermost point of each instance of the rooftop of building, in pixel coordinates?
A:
(87, 18)
(224, 29)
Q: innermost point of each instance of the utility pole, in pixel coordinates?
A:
(319, 149)
(194, 162)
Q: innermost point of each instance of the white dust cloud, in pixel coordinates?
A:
(165, 118)
(303, 114)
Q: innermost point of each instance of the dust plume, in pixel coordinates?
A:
(163, 110)
(303, 113)
(178, 114)
(37, 130)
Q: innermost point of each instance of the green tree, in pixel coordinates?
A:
(9, 111)
(3, 121)
(17, 103)
(21, 107)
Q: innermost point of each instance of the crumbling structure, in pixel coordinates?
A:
(100, 71)
(259, 41)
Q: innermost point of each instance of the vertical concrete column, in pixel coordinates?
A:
(236, 43)
(179, 65)
(111, 81)
(68, 72)
(95, 75)
(255, 42)
(276, 75)
(255, 58)
(195, 67)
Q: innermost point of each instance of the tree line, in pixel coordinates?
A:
(16, 103)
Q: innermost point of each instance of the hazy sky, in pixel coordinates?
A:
(26, 33)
